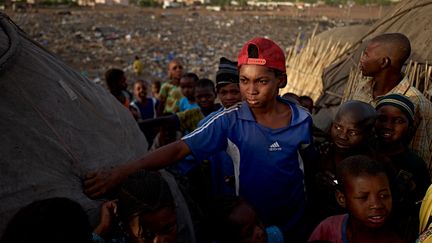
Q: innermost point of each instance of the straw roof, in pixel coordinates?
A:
(306, 59)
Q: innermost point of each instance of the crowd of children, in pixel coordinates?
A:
(250, 170)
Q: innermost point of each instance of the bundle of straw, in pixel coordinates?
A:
(354, 80)
(306, 61)
(419, 76)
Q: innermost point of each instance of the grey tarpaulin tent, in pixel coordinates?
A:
(55, 126)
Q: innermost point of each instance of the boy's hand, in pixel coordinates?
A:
(326, 179)
(107, 213)
(230, 180)
(99, 183)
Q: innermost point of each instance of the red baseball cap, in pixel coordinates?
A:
(269, 54)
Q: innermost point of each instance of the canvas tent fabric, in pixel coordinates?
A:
(346, 34)
(56, 126)
(410, 17)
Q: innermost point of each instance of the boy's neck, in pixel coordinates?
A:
(141, 100)
(191, 100)
(207, 111)
(385, 81)
(391, 149)
(344, 153)
(175, 82)
(275, 115)
(338, 157)
(358, 233)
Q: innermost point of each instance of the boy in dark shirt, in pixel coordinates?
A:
(350, 134)
(394, 129)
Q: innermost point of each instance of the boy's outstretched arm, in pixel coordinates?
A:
(98, 183)
(162, 121)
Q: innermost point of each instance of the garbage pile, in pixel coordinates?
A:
(93, 40)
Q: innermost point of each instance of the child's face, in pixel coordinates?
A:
(368, 199)
(346, 133)
(229, 95)
(205, 97)
(154, 89)
(187, 87)
(251, 229)
(140, 90)
(371, 60)
(159, 226)
(258, 85)
(175, 70)
(308, 104)
(392, 125)
(121, 84)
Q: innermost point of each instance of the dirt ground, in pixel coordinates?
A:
(94, 39)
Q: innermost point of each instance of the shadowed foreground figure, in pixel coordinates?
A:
(50, 220)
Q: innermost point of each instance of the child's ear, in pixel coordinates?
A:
(340, 198)
(282, 81)
(386, 62)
